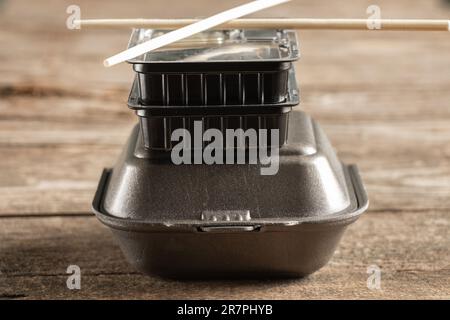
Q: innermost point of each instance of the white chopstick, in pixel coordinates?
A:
(191, 29)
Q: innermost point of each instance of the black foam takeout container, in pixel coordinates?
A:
(228, 67)
(209, 221)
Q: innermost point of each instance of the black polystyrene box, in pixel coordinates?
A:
(220, 221)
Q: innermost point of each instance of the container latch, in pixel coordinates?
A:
(226, 218)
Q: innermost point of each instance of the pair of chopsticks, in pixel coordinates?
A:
(230, 19)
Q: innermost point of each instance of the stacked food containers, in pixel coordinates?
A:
(226, 220)
(226, 79)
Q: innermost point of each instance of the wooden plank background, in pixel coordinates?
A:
(382, 98)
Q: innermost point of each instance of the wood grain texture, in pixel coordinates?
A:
(37, 252)
(383, 100)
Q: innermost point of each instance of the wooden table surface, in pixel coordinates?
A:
(382, 98)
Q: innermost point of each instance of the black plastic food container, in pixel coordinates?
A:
(157, 130)
(158, 122)
(232, 67)
(222, 221)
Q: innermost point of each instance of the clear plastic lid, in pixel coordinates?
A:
(221, 46)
